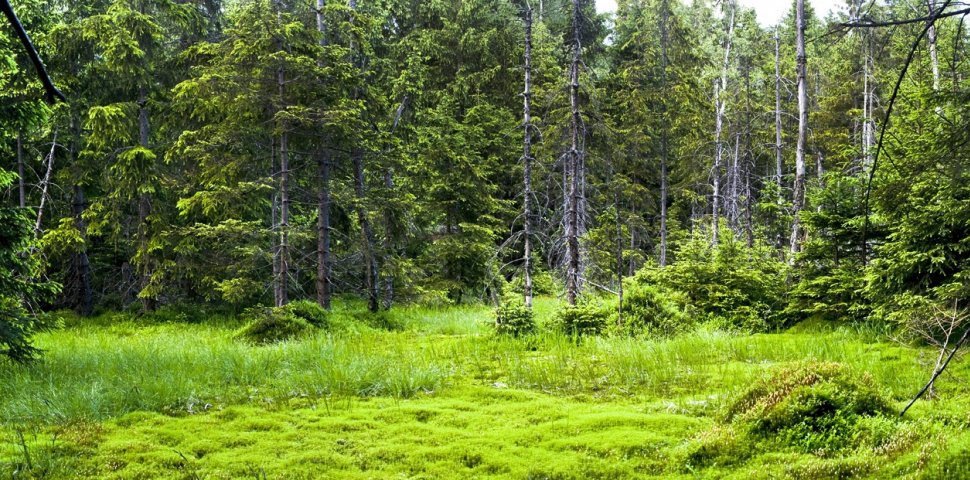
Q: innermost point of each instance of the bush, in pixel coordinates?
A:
(513, 318)
(271, 325)
(543, 283)
(586, 318)
(813, 407)
(651, 310)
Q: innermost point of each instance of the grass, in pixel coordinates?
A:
(428, 392)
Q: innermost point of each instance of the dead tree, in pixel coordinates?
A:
(720, 105)
(527, 159)
(800, 71)
(574, 170)
(324, 267)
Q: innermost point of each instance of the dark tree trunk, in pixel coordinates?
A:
(664, 134)
(84, 302)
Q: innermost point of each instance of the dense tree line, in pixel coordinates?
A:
(260, 151)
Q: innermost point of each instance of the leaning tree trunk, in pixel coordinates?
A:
(720, 86)
(574, 169)
(799, 187)
(527, 158)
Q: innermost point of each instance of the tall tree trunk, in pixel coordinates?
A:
(779, 162)
(800, 65)
(868, 125)
(720, 105)
(324, 267)
(144, 206)
(527, 158)
(389, 229)
(82, 264)
(360, 192)
(664, 134)
(574, 167)
(21, 183)
(282, 294)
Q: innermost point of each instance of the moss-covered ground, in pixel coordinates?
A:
(431, 393)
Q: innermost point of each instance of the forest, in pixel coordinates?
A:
(483, 239)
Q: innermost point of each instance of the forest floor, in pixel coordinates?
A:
(432, 393)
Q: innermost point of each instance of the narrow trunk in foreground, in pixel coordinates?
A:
(527, 158)
(799, 186)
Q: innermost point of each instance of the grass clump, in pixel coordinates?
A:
(513, 318)
(812, 406)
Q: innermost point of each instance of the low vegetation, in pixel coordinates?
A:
(428, 392)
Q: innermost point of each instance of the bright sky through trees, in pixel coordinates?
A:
(769, 11)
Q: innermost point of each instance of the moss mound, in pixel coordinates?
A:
(811, 406)
(272, 325)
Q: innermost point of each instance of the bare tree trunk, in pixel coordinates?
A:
(664, 140)
(799, 187)
(868, 125)
(44, 184)
(779, 161)
(21, 183)
(575, 172)
(527, 158)
(619, 252)
(282, 293)
(720, 106)
(931, 40)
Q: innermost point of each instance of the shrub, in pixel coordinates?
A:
(543, 283)
(651, 310)
(271, 325)
(513, 318)
(813, 406)
(586, 318)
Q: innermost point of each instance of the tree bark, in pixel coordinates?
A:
(779, 161)
(575, 171)
(44, 185)
(367, 233)
(282, 294)
(527, 158)
(720, 106)
(664, 134)
(360, 192)
(82, 264)
(323, 232)
(931, 40)
(144, 206)
(324, 268)
(799, 186)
